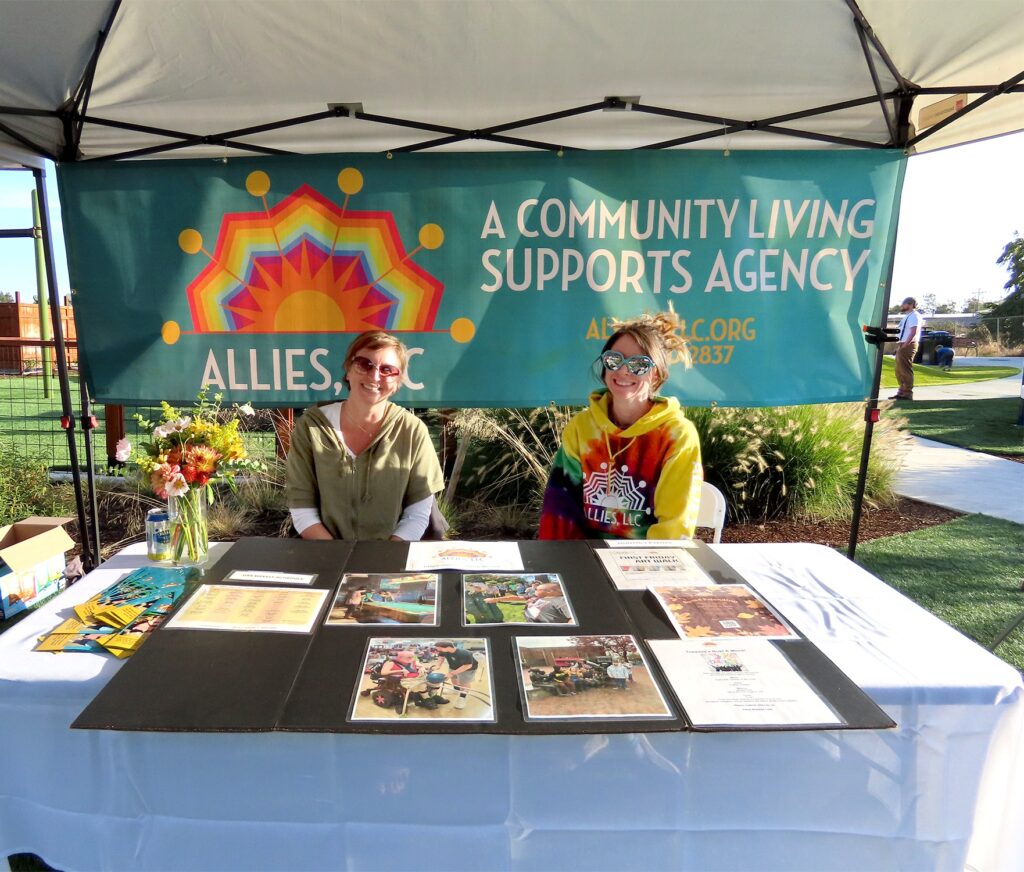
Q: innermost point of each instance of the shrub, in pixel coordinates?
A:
(25, 488)
(792, 461)
(509, 452)
(812, 456)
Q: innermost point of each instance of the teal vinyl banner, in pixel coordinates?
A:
(501, 272)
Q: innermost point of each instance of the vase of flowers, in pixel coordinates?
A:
(185, 457)
(190, 529)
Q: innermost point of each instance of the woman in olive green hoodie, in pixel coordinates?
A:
(363, 468)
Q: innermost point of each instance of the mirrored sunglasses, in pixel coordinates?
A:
(367, 366)
(638, 364)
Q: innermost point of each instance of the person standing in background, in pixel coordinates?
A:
(906, 350)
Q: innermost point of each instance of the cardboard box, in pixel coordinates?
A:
(31, 562)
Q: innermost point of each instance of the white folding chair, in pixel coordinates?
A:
(712, 509)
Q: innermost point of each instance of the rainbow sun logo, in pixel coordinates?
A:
(306, 265)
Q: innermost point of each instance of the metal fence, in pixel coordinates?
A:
(30, 412)
(1008, 332)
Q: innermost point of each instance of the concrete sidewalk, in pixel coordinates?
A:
(996, 387)
(966, 481)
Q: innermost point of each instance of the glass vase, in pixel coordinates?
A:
(190, 537)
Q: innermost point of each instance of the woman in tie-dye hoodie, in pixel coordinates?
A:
(629, 465)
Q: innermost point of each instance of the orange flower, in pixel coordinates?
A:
(202, 458)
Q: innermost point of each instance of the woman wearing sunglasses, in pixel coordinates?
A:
(363, 468)
(629, 465)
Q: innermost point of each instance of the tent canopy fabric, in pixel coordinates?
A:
(733, 74)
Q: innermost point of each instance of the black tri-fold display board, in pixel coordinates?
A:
(214, 680)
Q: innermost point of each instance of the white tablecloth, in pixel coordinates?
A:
(938, 793)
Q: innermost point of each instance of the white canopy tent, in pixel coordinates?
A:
(122, 79)
(92, 79)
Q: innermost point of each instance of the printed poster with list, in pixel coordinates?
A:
(238, 607)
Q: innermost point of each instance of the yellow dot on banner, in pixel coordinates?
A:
(431, 236)
(257, 183)
(350, 180)
(190, 241)
(463, 330)
(170, 332)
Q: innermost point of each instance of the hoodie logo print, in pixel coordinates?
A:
(613, 496)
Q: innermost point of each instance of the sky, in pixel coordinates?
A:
(960, 207)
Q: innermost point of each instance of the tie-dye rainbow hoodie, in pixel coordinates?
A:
(639, 483)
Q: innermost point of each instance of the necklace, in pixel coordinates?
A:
(369, 431)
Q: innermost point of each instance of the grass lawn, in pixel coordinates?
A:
(932, 375)
(981, 425)
(30, 422)
(967, 572)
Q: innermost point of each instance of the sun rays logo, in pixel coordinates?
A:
(307, 265)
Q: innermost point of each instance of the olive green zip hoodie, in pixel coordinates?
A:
(361, 497)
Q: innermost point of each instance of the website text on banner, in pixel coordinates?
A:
(501, 272)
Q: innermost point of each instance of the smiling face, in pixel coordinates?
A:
(367, 387)
(622, 384)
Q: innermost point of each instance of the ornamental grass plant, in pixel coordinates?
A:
(25, 488)
(770, 463)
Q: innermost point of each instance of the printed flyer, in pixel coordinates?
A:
(637, 568)
(472, 556)
(720, 610)
(739, 682)
(238, 607)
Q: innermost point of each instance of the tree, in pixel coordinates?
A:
(6, 297)
(928, 303)
(1012, 307)
(947, 308)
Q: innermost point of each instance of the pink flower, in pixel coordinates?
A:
(177, 486)
(123, 450)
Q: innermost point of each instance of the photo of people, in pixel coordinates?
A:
(723, 610)
(595, 677)
(400, 598)
(424, 680)
(516, 598)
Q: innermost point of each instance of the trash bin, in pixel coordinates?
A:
(930, 339)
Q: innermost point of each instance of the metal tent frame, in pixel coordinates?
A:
(74, 117)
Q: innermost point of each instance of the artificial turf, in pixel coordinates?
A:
(981, 425)
(968, 572)
(932, 375)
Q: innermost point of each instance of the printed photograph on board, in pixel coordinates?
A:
(405, 679)
(587, 677)
(516, 598)
(394, 598)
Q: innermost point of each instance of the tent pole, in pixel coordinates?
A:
(68, 416)
(871, 406)
(88, 425)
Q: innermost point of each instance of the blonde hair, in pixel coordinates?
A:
(660, 338)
